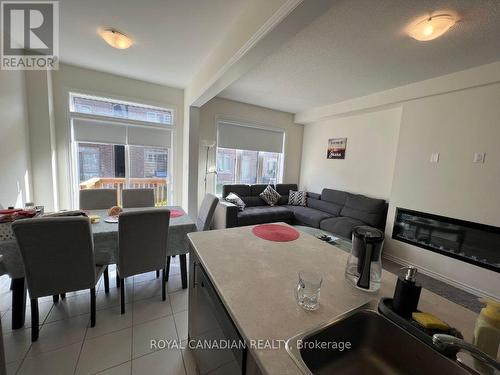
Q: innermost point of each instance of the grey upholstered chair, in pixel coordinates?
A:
(58, 256)
(98, 199)
(95, 199)
(203, 222)
(206, 212)
(142, 245)
(133, 198)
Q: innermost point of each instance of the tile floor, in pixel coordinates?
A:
(118, 344)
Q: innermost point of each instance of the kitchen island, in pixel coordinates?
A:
(254, 279)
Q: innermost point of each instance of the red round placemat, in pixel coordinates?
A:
(275, 232)
(176, 213)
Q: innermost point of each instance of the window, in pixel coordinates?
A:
(247, 167)
(148, 162)
(120, 154)
(92, 105)
(248, 154)
(100, 161)
(103, 165)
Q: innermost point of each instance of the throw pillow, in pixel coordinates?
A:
(297, 198)
(270, 196)
(235, 199)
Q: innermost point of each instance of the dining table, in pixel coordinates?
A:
(105, 235)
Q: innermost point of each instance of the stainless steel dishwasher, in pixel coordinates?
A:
(213, 337)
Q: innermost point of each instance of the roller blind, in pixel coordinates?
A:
(97, 131)
(85, 130)
(142, 136)
(249, 138)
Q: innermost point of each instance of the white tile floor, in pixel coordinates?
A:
(118, 344)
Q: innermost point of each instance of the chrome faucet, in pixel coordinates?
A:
(446, 341)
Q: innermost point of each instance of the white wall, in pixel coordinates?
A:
(15, 170)
(455, 115)
(71, 78)
(223, 108)
(42, 138)
(371, 150)
(456, 125)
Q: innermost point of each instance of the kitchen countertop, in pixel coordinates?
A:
(255, 280)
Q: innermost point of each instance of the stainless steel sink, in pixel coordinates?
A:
(377, 346)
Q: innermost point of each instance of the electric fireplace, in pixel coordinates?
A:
(470, 242)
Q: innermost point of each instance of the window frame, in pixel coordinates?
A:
(116, 101)
(73, 145)
(231, 120)
(238, 161)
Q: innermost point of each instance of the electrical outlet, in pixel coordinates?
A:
(479, 157)
(435, 157)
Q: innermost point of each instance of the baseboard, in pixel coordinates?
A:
(435, 275)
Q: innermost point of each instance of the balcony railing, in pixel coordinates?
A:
(159, 186)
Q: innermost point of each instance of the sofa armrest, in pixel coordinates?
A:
(226, 215)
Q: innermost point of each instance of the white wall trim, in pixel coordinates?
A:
(475, 77)
(438, 276)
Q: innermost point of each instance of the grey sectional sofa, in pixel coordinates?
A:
(335, 211)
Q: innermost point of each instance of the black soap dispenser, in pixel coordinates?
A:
(407, 293)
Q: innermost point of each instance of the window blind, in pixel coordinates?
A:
(98, 131)
(85, 130)
(243, 137)
(142, 136)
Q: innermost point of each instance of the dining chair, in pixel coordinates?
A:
(58, 256)
(206, 212)
(134, 198)
(142, 245)
(203, 222)
(97, 199)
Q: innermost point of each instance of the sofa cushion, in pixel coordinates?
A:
(240, 190)
(341, 226)
(308, 216)
(284, 189)
(256, 190)
(251, 201)
(321, 205)
(270, 196)
(283, 200)
(264, 214)
(334, 201)
(313, 195)
(368, 210)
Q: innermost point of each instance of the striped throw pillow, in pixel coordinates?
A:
(297, 198)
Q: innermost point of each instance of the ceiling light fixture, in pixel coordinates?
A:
(431, 27)
(116, 38)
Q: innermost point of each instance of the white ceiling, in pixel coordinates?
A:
(359, 47)
(172, 36)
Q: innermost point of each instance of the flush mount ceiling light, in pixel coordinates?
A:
(116, 38)
(431, 27)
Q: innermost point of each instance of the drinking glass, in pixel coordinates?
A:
(308, 290)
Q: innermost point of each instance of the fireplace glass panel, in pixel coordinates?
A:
(474, 243)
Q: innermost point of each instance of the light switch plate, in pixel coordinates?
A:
(435, 157)
(479, 157)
